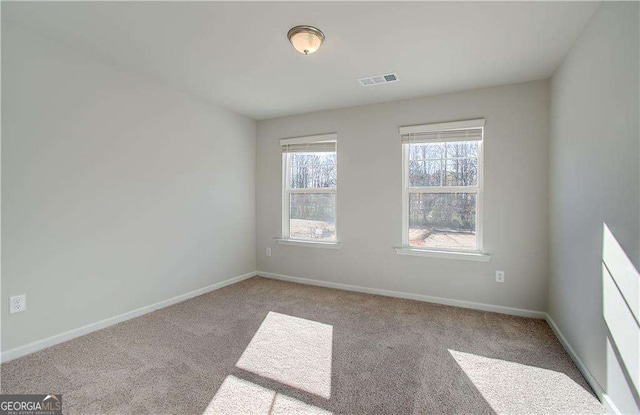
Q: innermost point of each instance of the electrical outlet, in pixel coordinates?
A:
(17, 303)
(499, 276)
(268, 251)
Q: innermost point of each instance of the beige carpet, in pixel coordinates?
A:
(270, 347)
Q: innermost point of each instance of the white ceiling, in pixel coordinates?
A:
(236, 55)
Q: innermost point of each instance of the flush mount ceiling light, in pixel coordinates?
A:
(305, 39)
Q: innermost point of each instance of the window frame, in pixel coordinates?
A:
(478, 190)
(287, 191)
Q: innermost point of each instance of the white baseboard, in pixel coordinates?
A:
(591, 380)
(409, 296)
(72, 334)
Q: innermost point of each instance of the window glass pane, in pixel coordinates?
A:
(313, 216)
(461, 172)
(424, 173)
(442, 220)
(443, 164)
(312, 170)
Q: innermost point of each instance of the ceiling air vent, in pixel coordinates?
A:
(378, 79)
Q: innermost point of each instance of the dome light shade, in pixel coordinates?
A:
(305, 39)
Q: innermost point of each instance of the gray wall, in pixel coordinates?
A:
(116, 192)
(595, 180)
(369, 198)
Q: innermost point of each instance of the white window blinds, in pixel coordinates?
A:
(325, 143)
(469, 130)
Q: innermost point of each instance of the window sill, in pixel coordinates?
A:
(465, 256)
(309, 244)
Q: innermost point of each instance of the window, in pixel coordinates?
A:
(442, 186)
(310, 183)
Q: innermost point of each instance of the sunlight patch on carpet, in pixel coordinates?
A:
(511, 387)
(239, 396)
(293, 351)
